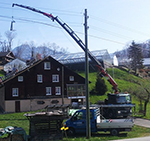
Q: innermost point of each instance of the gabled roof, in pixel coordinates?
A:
(3, 54)
(80, 56)
(16, 63)
(27, 68)
(10, 55)
(20, 72)
(7, 54)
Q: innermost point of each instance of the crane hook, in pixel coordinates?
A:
(11, 26)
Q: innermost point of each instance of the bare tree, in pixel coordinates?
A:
(55, 48)
(1, 43)
(4, 46)
(44, 51)
(20, 50)
(142, 92)
(63, 50)
(10, 36)
(32, 45)
(0, 39)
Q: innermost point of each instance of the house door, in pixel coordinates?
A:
(17, 106)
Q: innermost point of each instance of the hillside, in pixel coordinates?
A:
(124, 81)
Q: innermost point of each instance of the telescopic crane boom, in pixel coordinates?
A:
(78, 41)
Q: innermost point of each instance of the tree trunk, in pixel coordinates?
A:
(145, 106)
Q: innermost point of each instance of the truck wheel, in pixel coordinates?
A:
(114, 132)
(70, 131)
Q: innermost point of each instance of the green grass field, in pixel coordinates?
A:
(19, 120)
(137, 131)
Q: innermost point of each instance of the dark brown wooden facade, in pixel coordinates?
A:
(43, 81)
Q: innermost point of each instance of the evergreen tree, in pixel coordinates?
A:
(136, 57)
(100, 87)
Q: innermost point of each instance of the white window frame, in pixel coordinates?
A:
(48, 91)
(71, 78)
(47, 65)
(20, 78)
(15, 92)
(55, 78)
(39, 78)
(57, 90)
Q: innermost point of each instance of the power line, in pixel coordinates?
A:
(5, 20)
(65, 12)
(4, 3)
(68, 12)
(26, 20)
(62, 12)
(69, 39)
(73, 13)
(118, 25)
(5, 7)
(113, 41)
(60, 28)
(5, 16)
(37, 22)
(108, 32)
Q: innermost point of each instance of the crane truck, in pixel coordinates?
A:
(116, 104)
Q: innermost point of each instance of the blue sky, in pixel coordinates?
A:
(113, 24)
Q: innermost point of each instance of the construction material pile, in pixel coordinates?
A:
(13, 134)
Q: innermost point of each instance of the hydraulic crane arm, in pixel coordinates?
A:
(78, 41)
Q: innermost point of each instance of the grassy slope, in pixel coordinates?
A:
(124, 81)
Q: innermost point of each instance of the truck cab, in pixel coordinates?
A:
(77, 123)
(119, 98)
(119, 105)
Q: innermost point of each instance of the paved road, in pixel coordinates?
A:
(140, 122)
(136, 139)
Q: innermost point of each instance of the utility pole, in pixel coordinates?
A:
(88, 128)
(62, 85)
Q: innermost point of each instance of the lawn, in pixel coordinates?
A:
(14, 119)
(137, 131)
(19, 120)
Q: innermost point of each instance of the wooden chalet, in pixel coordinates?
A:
(41, 84)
